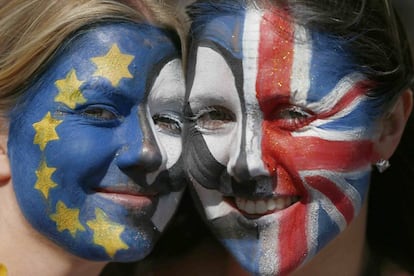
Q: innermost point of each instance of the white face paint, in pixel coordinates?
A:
(217, 88)
(165, 103)
(276, 156)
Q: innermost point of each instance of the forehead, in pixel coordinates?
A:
(131, 53)
(271, 39)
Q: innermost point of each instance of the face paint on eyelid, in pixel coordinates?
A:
(323, 170)
(221, 93)
(206, 93)
(85, 200)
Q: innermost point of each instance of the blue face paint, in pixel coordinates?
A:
(88, 148)
(279, 141)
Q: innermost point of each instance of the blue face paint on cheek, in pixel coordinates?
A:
(80, 117)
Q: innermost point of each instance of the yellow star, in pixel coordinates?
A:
(113, 66)
(44, 179)
(3, 270)
(69, 90)
(107, 233)
(67, 219)
(46, 131)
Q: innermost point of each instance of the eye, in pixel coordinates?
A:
(292, 117)
(168, 123)
(99, 113)
(214, 118)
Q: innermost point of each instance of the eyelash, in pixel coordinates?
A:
(100, 113)
(291, 118)
(286, 117)
(168, 123)
(213, 118)
(96, 114)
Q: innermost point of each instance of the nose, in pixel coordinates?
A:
(150, 157)
(246, 160)
(141, 155)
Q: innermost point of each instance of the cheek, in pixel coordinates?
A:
(172, 148)
(200, 164)
(25, 156)
(302, 153)
(82, 151)
(301, 162)
(220, 146)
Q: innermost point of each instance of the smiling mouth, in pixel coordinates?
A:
(264, 206)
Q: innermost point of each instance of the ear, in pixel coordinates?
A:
(392, 125)
(5, 172)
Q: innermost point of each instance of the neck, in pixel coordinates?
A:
(25, 252)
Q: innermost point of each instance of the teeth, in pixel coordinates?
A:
(261, 207)
(250, 207)
(280, 203)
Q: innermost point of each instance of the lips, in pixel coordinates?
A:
(129, 197)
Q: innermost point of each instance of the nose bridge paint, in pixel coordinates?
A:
(247, 160)
(142, 148)
(152, 155)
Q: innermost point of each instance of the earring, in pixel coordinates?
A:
(382, 165)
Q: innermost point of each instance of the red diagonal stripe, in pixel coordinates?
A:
(331, 191)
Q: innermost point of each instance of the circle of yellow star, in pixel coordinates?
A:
(113, 66)
(44, 179)
(46, 130)
(67, 219)
(107, 233)
(69, 90)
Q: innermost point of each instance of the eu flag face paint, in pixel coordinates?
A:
(95, 145)
(279, 145)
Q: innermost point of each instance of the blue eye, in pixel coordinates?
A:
(168, 123)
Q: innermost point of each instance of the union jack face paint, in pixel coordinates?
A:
(279, 144)
(95, 144)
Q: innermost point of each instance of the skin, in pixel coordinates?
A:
(99, 137)
(281, 139)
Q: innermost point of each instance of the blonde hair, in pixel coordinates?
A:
(32, 30)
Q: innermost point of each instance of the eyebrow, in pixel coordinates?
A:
(167, 101)
(100, 88)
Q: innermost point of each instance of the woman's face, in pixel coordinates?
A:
(95, 147)
(280, 142)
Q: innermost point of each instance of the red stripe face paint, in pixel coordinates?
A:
(279, 144)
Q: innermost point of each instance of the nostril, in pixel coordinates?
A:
(240, 172)
(141, 158)
(247, 165)
(258, 187)
(150, 158)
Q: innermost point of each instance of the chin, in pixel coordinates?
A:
(275, 243)
(255, 243)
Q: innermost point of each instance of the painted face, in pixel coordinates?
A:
(95, 147)
(279, 143)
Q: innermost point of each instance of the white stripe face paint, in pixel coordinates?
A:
(302, 55)
(166, 101)
(167, 98)
(216, 88)
(253, 114)
(293, 96)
